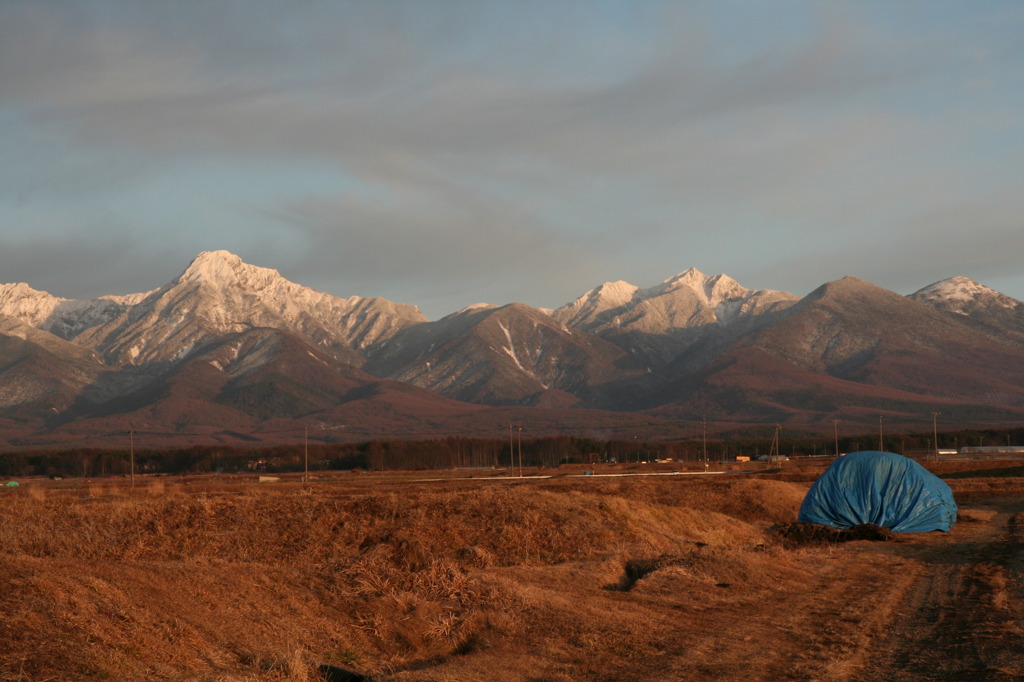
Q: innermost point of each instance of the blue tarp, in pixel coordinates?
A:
(881, 488)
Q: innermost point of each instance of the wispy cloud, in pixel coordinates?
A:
(434, 152)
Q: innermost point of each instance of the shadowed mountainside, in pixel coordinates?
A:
(237, 347)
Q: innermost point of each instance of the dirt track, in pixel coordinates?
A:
(681, 585)
(962, 616)
(928, 606)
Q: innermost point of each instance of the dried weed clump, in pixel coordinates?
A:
(36, 492)
(703, 567)
(801, 534)
(760, 501)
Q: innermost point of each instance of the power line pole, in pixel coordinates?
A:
(520, 428)
(775, 445)
(835, 426)
(305, 439)
(935, 432)
(131, 451)
(704, 438)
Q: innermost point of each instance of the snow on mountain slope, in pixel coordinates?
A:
(993, 313)
(689, 299)
(41, 371)
(712, 290)
(857, 331)
(512, 354)
(589, 306)
(67, 318)
(262, 347)
(220, 294)
(963, 295)
(24, 303)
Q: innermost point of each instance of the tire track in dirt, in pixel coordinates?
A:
(962, 619)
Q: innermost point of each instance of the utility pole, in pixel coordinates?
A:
(519, 426)
(835, 426)
(305, 440)
(131, 451)
(704, 430)
(935, 432)
(881, 446)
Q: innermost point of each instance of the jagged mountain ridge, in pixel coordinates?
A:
(217, 294)
(693, 342)
(512, 354)
(689, 299)
(690, 313)
(964, 296)
(996, 314)
(872, 348)
(63, 317)
(40, 372)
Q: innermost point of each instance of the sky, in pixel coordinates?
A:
(444, 153)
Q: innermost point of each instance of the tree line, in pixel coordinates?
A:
(463, 452)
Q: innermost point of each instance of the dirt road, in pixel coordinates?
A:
(962, 617)
(657, 578)
(930, 606)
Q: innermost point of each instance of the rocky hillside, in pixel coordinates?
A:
(232, 345)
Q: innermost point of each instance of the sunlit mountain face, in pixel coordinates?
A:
(232, 347)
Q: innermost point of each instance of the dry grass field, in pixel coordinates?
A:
(563, 578)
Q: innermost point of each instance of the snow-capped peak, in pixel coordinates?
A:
(218, 294)
(959, 288)
(21, 301)
(960, 293)
(691, 277)
(233, 294)
(64, 317)
(616, 293)
(587, 307)
(473, 307)
(224, 267)
(712, 290)
(607, 295)
(688, 299)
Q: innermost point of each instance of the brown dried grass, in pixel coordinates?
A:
(248, 582)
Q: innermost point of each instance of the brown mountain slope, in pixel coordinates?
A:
(850, 349)
(41, 374)
(261, 385)
(855, 330)
(499, 356)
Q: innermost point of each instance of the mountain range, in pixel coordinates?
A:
(231, 352)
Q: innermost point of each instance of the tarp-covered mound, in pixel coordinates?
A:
(881, 488)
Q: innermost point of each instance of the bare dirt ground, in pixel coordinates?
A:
(927, 606)
(560, 579)
(962, 617)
